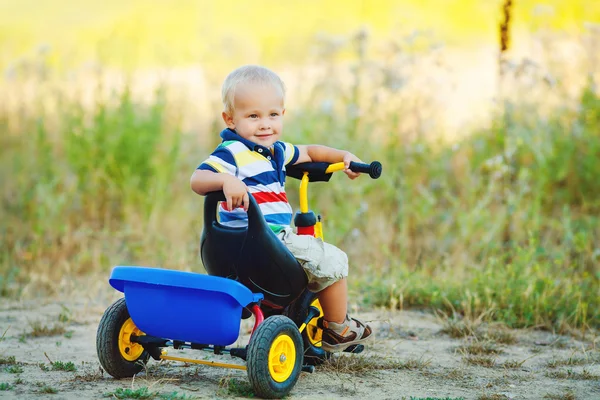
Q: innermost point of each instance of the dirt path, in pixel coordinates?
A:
(409, 357)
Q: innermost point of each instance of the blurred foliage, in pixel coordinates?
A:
(133, 33)
(503, 220)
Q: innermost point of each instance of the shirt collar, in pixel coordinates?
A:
(230, 134)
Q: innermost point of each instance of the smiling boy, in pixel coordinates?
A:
(252, 159)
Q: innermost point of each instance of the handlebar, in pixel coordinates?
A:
(374, 169)
(321, 171)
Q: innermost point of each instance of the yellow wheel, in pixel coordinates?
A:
(129, 350)
(118, 355)
(274, 358)
(282, 358)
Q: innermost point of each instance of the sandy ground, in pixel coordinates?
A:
(409, 358)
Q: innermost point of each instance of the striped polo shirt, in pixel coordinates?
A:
(262, 169)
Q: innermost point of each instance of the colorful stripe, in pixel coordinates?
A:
(265, 178)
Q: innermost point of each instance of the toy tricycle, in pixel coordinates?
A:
(251, 272)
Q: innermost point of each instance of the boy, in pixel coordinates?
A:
(252, 159)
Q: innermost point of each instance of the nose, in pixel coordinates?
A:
(264, 124)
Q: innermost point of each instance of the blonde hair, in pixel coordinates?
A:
(248, 74)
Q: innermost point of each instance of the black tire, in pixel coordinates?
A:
(313, 353)
(275, 333)
(107, 343)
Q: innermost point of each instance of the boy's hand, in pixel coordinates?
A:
(236, 193)
(347, 158)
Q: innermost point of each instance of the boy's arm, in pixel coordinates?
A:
(319, 153)
(236, 192)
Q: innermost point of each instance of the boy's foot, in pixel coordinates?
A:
(337, 337)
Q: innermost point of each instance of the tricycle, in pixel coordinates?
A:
(250, 273)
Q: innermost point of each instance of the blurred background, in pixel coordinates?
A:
(485, 115)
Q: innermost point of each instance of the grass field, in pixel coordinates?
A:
(500, 223)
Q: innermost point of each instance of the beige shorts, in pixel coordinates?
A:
(324, 263)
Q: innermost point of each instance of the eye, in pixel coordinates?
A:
(274, 114)
(253, 116)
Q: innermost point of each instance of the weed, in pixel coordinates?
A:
(68, 334)
(19, 381)
(141, 393)
(14, 369)
(455, 374)
(536, 350)
(44, 367)
(570, 361)
(513, 364)
(414, 364)
(65, 315)
(494, 396)
(61, 366)
(564, 396)
(479, 348)
(8, 360)
(90, 375)
(40, 330)
(436, 398)
(176, 396)
(48, 389)
(501, 336)
(5, 386)
(457, 328)
(482, 361)
(570, 374)
(360, 363)
(235, 387)
(561, 343)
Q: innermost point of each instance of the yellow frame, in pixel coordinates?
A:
(304, 194)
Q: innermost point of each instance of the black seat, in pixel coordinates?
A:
(252, 255)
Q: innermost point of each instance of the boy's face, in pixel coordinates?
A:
(258, 113)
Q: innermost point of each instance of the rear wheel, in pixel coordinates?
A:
(312, 334)
(118, 355)
(274, 357)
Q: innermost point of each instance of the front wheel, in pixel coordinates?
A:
(274, 357)
(118, 355)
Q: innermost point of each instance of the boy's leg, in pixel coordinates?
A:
(339, 330)
(327, 268)
(334, 301)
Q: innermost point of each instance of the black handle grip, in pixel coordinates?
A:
(374, 169)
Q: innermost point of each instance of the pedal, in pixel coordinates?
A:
(313, 312)
(354, 349)
(308, 368)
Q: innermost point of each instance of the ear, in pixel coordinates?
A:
(283, 112)
(228, 120)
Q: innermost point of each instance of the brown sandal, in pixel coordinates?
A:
(338, 337)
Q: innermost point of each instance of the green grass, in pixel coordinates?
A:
(5, 386)
(436, 398)
(62, 366)
(501, 223)
(8, 360)
(235, 387)
(140, 393)
(48, 389)
(14, 369)
(176, 396)
(38, 329)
